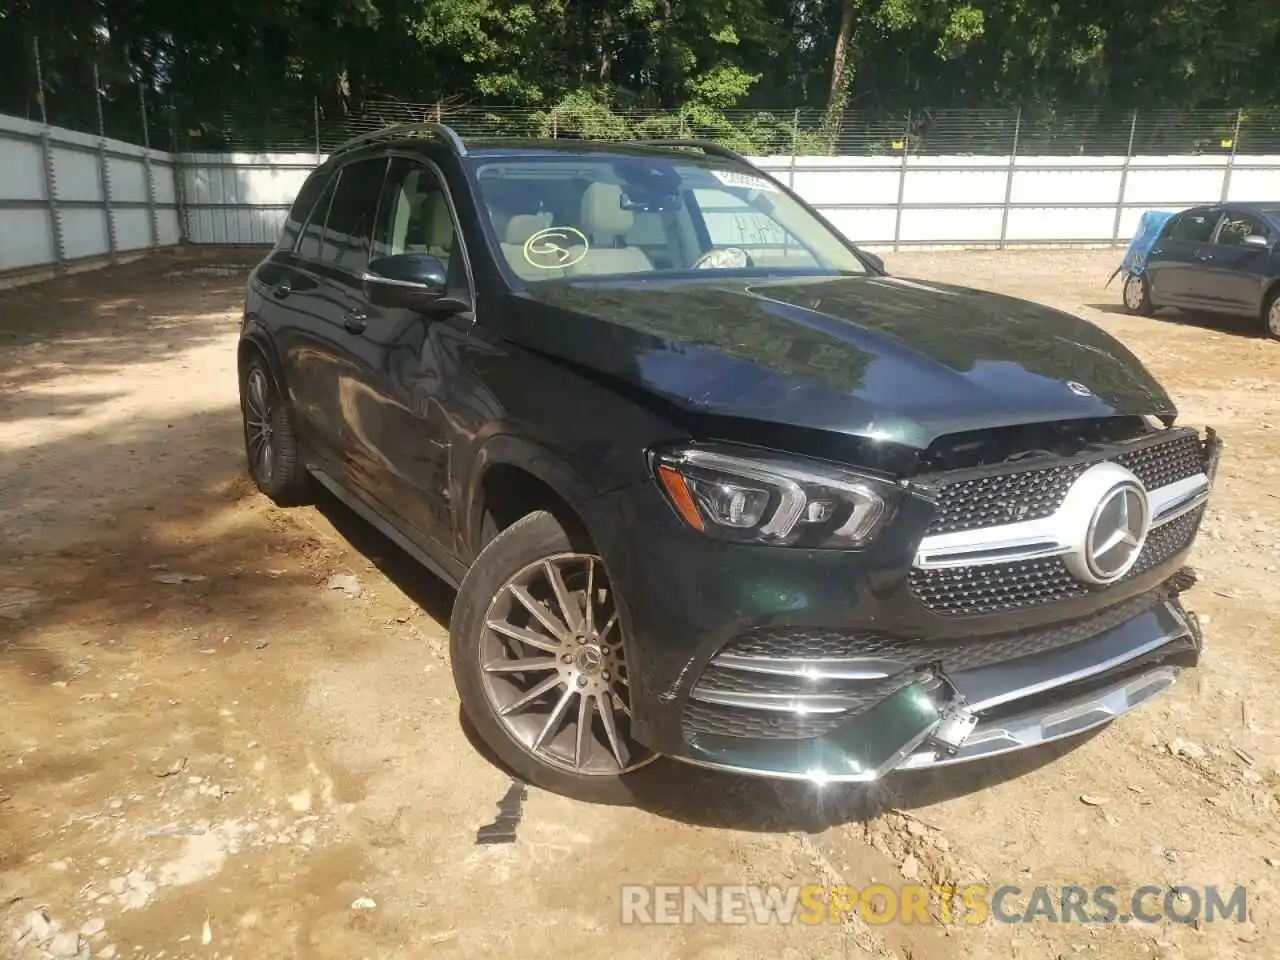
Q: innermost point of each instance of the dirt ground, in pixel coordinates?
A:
(205, 751)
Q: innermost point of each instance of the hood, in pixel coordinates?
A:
(875, 357)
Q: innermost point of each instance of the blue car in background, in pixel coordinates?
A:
(1223, 258)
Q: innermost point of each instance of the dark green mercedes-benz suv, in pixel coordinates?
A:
(710, 484)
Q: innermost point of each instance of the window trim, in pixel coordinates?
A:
(329, 189)
(438, 173)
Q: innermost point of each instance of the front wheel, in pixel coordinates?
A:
(1137, 295)
(540, 664)
(1271, 315)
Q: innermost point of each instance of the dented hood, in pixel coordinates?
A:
(876, 357)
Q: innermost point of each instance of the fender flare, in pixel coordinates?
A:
(529, 456)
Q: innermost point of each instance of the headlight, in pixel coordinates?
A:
(761, 497)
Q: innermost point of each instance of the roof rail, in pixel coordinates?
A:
(444, 132)
(709, 147)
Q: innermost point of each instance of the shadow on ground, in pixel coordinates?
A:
(1235, 326)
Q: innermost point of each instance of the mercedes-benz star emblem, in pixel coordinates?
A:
(1079, 389)
(1117, 528)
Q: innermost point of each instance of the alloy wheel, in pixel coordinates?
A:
(258, 426)
(1273, 318)
(554, 668)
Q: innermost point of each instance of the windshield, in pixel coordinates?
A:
(560, 217)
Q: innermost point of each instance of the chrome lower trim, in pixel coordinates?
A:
(937, 720)
(816, 669)
(1054, 535)
(1040, 726)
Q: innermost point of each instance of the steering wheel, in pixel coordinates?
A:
(725, 258)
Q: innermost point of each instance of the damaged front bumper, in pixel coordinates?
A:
(934, 718)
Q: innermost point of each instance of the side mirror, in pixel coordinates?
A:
(412, 281)
(1254, 240)
(876, 260)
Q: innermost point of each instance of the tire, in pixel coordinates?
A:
(270, 440)
(1271, 315)
(1137, 295)
(530, 720)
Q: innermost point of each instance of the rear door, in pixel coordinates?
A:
(337, 351)
(1231, 275)
(1173, 258)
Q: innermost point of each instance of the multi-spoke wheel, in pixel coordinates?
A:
(540, 662)
(270, 444)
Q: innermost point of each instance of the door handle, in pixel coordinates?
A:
(355, 322)
(282, 289)
(1204, 257)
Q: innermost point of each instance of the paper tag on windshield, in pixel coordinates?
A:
(744, 181)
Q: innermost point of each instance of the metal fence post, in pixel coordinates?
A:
(902, 184)
(795, 148)
(1124, 179)
(1008, 181)
(1231, 157)
(315, 120)
(152, 217)
(104, 168)
(50, 175)
(179, 173)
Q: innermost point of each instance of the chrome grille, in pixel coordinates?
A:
(1003, 587)
(1031, 494)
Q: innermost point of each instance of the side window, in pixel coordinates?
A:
(313, 233)
(1195, 226)
(303, 204)
(348, 230)
(414, 214)
(1166, 232)
(1235, 227)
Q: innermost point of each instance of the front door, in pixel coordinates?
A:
(1231, 274)
(410, 362)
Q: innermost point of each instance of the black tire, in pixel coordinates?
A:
(525, 543)
(279, 473)
(1271, 315)
(1136, 295)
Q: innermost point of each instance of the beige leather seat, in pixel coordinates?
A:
(518, 231)
(604, 221)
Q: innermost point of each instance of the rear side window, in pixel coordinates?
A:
(349, 226)
(313, 232)
(303, 204)
(1195, 226)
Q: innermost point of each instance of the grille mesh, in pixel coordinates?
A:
(1001, 587)
(995, 499)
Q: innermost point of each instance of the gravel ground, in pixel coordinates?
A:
(212, 748)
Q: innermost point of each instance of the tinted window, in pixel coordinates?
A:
(414, 214)
(301, 210)
(314, 230)
(1235, 227)
(1195, 226)
(355, 205)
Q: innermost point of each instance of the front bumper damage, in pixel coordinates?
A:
(933, 716)
(935, 719)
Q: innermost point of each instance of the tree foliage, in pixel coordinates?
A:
(580, 62)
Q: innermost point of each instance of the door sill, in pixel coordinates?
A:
(453, 577)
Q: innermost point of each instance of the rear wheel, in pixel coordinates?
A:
(1271, 315)
(1137, 295)
(540, 663)
(270, 443)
